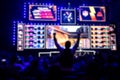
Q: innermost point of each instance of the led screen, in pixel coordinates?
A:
(68, 16)
(92, 13)
(103, 37)
(36, 36)
(64, 33)
(42, 12)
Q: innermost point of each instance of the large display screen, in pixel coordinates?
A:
(92, 13)
(64, 33)
(42, 12)
(36, 36)
(100, 37)
(68, 16)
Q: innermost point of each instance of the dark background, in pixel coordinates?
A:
(13, 10)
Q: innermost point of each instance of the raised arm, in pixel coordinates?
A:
(77, 42)
(56, 43)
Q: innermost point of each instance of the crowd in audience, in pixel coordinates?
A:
(101, 66)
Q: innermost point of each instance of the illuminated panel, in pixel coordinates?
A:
(20, 36)
(112, 37)
(100, 37)
(34, 36)
(42, 12)
(64, 33)
(68, 16)
(92, 13)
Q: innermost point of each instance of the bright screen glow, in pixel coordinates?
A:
(68, 16)
(35, 36)
(64, 33)
(42, 12)
(92, 13)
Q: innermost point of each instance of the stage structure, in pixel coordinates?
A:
(40, 21)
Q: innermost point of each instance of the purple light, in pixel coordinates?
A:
(36, 3)
(14, 27)
(24, 6)
(14, 22)
(24, 16)
(29, 3)
(25, 3)
(49, 4)
(46, 4)
(14, 38)
(83, 4)
(14, 30)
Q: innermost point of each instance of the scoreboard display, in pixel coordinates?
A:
(92, 13)
(68, 16)
(64, 33)
(42, 12)
(43, 20)
(100, 37)
(36, 36)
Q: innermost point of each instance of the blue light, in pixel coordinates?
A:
(13, 35)
(61, 7)
(49, 4)
(36, 3)
(14, 26)
(14, 22)
(46, 4)
(83, 4)
(13, 38)
(25, 3)
(43, 3)
(32, 3)
(24, 8)
(29, 3)
(24, 14)
(14, 30)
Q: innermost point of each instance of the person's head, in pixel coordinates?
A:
(67, 44)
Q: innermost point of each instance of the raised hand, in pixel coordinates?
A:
(54, 34)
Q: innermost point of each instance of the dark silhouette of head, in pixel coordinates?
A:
(67, 44)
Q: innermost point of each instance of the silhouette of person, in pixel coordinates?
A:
(66, 55)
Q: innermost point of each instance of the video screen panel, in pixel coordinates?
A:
(43, 12)
(68, 16)
(64, 33)
(20, 37)
(100, 37)
(92, 13)
(112, 37)
(34, 36)
(103, 37)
